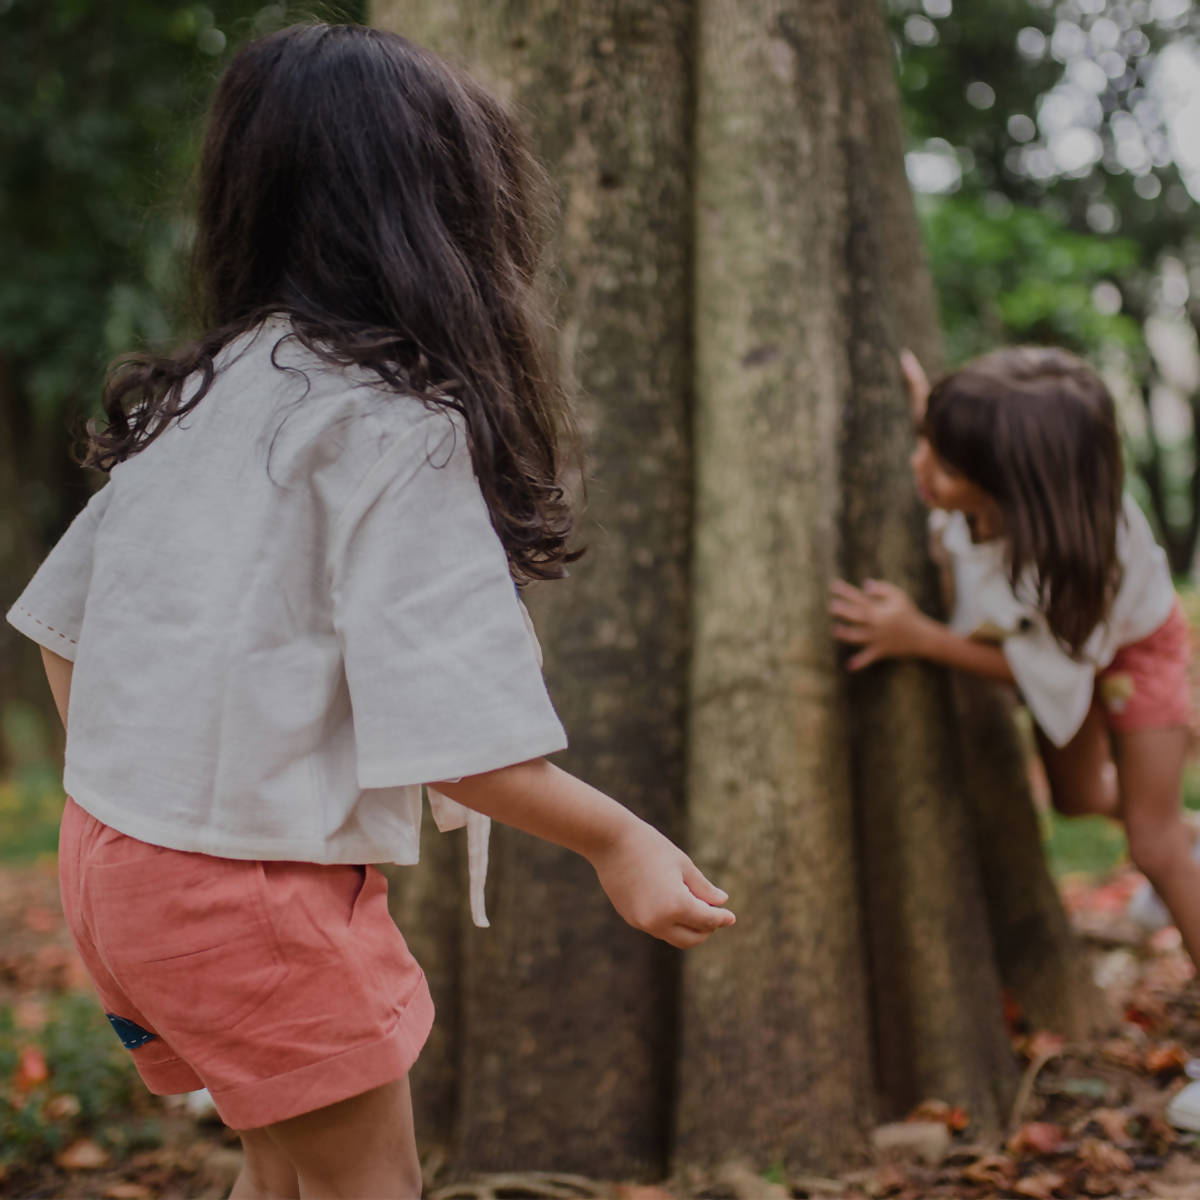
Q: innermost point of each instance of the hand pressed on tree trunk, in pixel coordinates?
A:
(882, 619)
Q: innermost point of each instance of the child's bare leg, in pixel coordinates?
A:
(1150, 766)
(364, 1146)
(1082, 779)
(268, 1173)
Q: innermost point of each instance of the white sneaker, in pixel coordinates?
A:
(1184, 1109)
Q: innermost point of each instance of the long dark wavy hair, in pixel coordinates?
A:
(1036, 429)
(387, 203)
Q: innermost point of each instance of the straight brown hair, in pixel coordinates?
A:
(1036, 428)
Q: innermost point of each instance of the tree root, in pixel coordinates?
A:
(525, 1185)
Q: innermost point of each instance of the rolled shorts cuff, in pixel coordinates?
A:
(327, 1081)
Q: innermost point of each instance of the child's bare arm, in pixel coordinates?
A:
(58, 675)
(882, 620)
(650, 881)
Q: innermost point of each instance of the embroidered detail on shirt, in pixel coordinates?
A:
(1116, 690)
(48, 628)
(989, 631)
(132, 1035)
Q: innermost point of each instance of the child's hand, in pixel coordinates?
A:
(917, 384)
(881, 618)
(658, 889)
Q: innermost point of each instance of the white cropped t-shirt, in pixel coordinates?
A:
(287, 614)
(1056, 687)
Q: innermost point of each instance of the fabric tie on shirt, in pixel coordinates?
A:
(449, 814)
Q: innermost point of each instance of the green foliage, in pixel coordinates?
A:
(65, 1081)
(1009, 273)
(100, 107)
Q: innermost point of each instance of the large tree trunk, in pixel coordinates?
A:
(566, 1015)
(855, 848)
(886, 874)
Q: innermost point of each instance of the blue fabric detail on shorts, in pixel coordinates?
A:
(132, 1035)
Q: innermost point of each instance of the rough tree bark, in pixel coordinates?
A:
(887, 875)
(849, 821)
(566, 1016)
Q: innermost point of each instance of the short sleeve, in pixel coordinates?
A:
(442, 670)
(1057, 688)
(50, 609)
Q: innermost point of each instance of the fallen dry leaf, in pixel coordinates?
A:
(40, 920)
(1168, 1059)
(1099, 1155)
(83, 1155)
(62, 1107)
(954, 1118)
(1037, 1137)
(1114, 1122)
(994, 1169)
(1124, 1053)
(138, 1191)
(1042, 1185)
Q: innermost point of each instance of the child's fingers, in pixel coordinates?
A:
(701, 887)
(864, 658)
(848, 610)
(683, 937)
(844, 590)
(698, 915)
(917, 383)
(856, 635)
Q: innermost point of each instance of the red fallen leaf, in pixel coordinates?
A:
(954, 1118)
(1102, 1156)
(1168, 1059)
(1041, 1185)
(83, 1155)
(1038, 1137)
(1014, 1019)
(31, 1069)
(1135, 1016)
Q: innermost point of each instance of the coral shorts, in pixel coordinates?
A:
(280, 986)
(1146, 684)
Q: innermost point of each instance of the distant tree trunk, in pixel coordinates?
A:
(566, 1041)
(22, 684)
(885, 868)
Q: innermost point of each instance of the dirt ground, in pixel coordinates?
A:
(1088, 1121)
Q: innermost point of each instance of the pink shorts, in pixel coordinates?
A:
(280, 986)
(1146, 684)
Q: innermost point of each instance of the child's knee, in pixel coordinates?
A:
(1156, 850)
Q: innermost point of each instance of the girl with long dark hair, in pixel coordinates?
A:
(294, 605)
(1058, 587)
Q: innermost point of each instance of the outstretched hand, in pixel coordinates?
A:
(658, 889)
(880, 617)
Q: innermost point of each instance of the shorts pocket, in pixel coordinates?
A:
(187, 937)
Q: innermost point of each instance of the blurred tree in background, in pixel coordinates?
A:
(1055, 149)
(99, 111)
